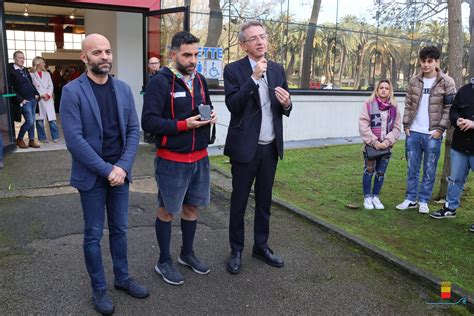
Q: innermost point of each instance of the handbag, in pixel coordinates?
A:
(372, 153)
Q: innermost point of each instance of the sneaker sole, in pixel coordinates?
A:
(424, 212)
(441, 217)
(180, 261)
(403, 209)
(165, 279)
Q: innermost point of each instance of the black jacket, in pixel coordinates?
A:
(160, 116)
(243, 101)
(463, 107)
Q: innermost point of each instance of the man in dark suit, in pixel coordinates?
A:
(27, 97)
(256, 94)
(101, 130)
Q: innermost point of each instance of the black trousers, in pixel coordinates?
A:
(262, 169)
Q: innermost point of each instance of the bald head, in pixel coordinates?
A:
(97, 54)
(93, 39)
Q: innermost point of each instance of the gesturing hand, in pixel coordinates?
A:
(260, 69)
(194, 121)
(465, 124)
(283, 96)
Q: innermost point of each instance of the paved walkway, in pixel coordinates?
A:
(42, 268)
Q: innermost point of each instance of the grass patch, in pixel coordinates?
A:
(322, 181)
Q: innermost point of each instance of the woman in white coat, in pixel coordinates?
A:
(44, 85)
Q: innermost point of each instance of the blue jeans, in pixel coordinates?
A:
(115, 200)
(378, 166)
(52, 127)
(460, 165)
(28, 111)
(421, 148)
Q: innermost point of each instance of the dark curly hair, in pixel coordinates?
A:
(429, 52)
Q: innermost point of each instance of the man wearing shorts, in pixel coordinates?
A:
(170, 112)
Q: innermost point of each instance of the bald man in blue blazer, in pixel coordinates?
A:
(102, 132)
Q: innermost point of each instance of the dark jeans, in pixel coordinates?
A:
(94, 202)
(262, 169)
(28, 111)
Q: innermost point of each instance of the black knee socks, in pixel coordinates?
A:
(188, 229)
(163, 236)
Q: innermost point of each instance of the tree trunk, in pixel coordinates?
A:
(455, 47)
(471, 46)
(308, 46)
(394, 74)
(291, 64)
(360, 64)
(341, 65)
(215, 24)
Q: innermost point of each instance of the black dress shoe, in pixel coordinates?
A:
(268, 257)
(234, 263)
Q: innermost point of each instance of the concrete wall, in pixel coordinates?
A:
(312, 117)
(124, 31)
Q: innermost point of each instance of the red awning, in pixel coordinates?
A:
(146, 4)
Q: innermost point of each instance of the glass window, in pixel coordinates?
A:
(68, 37)
(50, 46)
(39, 36)
(19, 45)
(30, 36)
(30, 45)
(49, 36)
(19, 35)
(356, 43)
(68, 45)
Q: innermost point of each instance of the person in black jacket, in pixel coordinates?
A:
(170, 112)
(461, 116)
(27, 97)
(256, 94)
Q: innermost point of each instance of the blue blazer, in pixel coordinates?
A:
(243, 101)
(82, 126)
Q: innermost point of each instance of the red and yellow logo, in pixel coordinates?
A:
(446, 290)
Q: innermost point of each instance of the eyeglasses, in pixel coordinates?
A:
(253, 39)
(153, 63)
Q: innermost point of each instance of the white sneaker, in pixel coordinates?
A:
(406, 205)
(377, 204)
(423, 208)
(368, 204)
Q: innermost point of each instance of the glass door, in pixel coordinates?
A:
(6, 132)
(158, 28)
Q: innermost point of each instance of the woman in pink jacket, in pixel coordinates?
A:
(379, 127)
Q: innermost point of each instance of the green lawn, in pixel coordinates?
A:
(322, 181)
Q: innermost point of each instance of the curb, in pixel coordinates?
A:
(423, 277)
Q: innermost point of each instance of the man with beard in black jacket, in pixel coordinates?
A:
(170, 112)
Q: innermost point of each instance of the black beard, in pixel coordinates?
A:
(94, 67)
(182, 69)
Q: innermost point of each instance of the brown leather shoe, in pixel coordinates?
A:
(33, 144)
(21, 143)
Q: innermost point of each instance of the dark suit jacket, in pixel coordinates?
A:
(82, 128)
(14, 79)
(243, 101)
